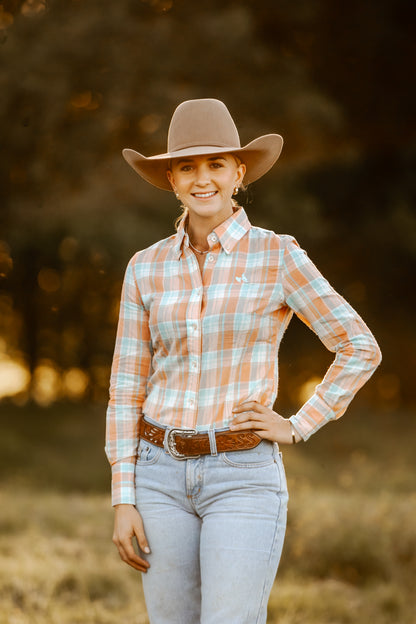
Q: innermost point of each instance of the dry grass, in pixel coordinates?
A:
(58, 564)
(350, 554)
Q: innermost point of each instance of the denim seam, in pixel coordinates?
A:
(272, 550)
(274, 543)
(262, 464)
(148, 462)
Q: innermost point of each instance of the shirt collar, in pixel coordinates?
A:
(228, 233)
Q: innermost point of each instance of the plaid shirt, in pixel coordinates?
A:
(189, 349)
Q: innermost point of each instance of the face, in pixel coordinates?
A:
(205, 184)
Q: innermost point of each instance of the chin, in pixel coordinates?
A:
(208, 210)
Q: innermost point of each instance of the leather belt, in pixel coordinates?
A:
(188, 443)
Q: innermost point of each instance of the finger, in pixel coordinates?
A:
(248, 406)
(141, 539)
(250, 416)
(129, 556)
(248, 424)
(243, 417)
(142, 566)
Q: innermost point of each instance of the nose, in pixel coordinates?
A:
(202, 175)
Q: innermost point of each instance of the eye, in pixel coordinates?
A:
(216, 165)
(186, 168)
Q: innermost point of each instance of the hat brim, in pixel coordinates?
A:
(259, 156)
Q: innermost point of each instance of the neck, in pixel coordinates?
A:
(198, 229)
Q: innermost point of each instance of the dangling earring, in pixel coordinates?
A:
(236, 189)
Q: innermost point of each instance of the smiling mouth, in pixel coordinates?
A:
(204, 195)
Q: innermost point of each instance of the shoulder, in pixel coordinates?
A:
(273, 241)
(156, 252)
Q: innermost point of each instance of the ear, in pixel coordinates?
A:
(241, 172)
(169, 176)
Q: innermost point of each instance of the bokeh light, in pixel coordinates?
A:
(49, 280)
(14, 377)
(307, 389)
(46, 383)
(33, 7)
(75, 383)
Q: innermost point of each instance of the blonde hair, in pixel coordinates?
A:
(181, 217)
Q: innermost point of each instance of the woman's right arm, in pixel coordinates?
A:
(129, 375)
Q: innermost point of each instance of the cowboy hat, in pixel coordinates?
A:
(201, 127)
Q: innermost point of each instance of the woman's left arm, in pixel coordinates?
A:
(341, 330)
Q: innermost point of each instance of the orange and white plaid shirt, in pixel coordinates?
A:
(189, 348)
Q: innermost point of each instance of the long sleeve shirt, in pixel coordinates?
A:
(190, 347)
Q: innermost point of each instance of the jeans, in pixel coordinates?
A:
(215, 526)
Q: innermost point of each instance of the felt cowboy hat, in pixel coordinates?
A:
(201, 127)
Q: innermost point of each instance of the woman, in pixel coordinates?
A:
(191, 433)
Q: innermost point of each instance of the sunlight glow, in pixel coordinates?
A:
(75, 382)
(307, 389)
(46, 384)
(14, 377)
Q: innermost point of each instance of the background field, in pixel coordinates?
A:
(350, 554)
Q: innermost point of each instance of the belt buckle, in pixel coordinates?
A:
(171, 443)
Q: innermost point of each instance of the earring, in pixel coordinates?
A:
(177, 194)
(236, 189)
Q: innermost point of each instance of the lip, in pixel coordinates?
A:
(204, 195)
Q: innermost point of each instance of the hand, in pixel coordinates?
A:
(128, 523)
(264, 421)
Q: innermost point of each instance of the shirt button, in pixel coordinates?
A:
(213, 237)
(194, 364)
(210, 258)
(191, 402)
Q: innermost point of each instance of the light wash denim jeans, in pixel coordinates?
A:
(215, 527)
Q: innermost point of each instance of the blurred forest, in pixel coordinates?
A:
(80, 80)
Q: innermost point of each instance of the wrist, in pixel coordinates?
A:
(294, 434)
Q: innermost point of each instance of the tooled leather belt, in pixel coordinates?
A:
(188, 443)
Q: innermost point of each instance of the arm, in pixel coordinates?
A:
(129, 374)
(130, 371)
(341, 330)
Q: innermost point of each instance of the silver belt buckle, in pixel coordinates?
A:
(171, 443)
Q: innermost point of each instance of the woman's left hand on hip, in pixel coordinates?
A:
(264, 421)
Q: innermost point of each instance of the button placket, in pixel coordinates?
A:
(193, 330)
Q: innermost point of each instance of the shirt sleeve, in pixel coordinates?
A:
(341, 330)
(129, 374)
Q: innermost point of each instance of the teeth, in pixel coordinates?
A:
(210, 194)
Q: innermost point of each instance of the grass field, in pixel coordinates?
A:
(350, 552)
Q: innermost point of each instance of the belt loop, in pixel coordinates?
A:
(212, 442)
(165, 439)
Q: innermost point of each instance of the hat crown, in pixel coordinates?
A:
(205, 122)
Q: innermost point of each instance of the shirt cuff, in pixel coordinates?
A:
(123, 483)
(313, 415)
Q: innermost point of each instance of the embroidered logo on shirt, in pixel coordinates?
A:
(242, 278)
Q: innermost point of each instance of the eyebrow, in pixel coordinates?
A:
(188, 160)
